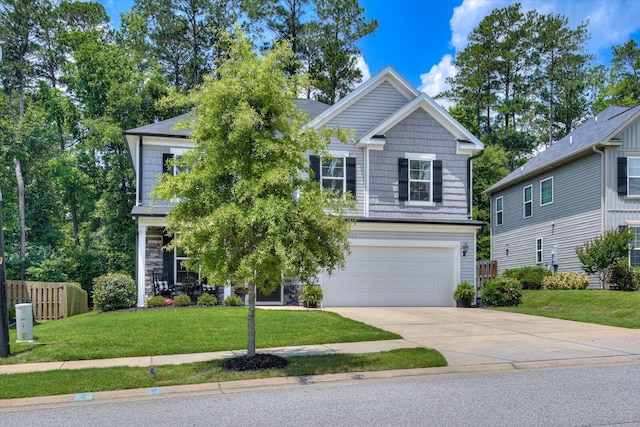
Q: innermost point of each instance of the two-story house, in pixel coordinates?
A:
(584, 184)
(409, 167)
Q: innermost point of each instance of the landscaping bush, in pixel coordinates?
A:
(157, 301)
(207, 300)
(311, 295)
(529, 277)
(182, 300)
(502, 291)
(566, 280)
(114, 291)
(624, 277)
(233, 301)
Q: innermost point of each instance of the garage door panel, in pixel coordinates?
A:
(377, 276)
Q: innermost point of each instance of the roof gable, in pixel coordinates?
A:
(434, 110)
(387, 74)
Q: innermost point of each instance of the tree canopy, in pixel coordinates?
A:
(249, 212)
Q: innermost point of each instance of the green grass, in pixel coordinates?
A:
(94, 380)
(183, 330)
(604, 307)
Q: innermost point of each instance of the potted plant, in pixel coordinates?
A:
(464, 294)
(311, 295)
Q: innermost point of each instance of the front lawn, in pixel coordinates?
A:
(94, 380)
(152, 332)
(613, 308)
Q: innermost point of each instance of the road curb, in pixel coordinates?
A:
(10, 405)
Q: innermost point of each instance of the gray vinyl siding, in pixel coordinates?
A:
(151, 168)
(418, 133)
(621, 209)
(370, 110)
(574, 216)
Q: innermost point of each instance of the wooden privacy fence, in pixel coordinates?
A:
(50, 301)
(485, 270)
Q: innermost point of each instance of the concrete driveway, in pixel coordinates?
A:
(476, 336)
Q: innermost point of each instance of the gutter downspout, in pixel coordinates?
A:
(366, 182)
(603, 197)
(470, 183)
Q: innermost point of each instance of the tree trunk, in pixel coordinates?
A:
(251, 319)
(21, 208)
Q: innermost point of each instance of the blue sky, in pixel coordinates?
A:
(420, 38)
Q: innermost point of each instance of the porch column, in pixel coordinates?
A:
(141, 263)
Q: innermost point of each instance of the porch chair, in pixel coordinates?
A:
(161, 284)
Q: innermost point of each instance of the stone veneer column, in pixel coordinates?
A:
(153, 255)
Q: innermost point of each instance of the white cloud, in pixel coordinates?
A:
(435, 81)
(362, 65)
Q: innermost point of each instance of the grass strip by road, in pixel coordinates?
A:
(604, 307)
(163, 331)
(120, 378)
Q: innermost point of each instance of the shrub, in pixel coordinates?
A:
(207, 300)
(529, 277)
(232, 301)
(182, 300)
(311, 295)
(114, 292)
(157, 301)
(566, 280)
(465, 290)
(502, 291)
(624, 277)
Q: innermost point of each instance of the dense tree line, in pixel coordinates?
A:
(71, 84)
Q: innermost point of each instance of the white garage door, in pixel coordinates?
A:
(383, 276)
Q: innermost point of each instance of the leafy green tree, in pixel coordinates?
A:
(248, 212)
(340, 24)
(599, 255)
(621, 83)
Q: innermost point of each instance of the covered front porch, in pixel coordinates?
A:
(162, 272)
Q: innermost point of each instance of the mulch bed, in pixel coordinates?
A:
(255, 363)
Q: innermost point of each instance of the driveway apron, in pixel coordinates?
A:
(476, 336)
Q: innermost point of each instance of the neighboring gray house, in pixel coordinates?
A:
(409, 167)
(584, 184)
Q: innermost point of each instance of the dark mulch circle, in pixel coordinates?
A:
(254, 363)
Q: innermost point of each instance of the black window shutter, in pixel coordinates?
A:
(622, 228)
(437, 181)
(351, 174)
(403, 179)
(315, 167)
(622, 176)
(167, 259)
(165, 167)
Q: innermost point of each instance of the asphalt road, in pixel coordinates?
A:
(580, 396)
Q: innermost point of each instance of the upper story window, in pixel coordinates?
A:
(175, 169)
(332, 174)
(633, 176)
(499, 211)
(546, 191)
(420, 179)
(527, 200)
(336, 172)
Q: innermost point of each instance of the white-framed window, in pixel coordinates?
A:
(177, 155)
(182, 273)
(633, 176)
(499, 211)
(546, 191)
(527, 201)
(420, 179)
(539, 251)
(634, 251)
(332, 174)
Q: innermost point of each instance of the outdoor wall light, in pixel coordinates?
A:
(465, 248)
